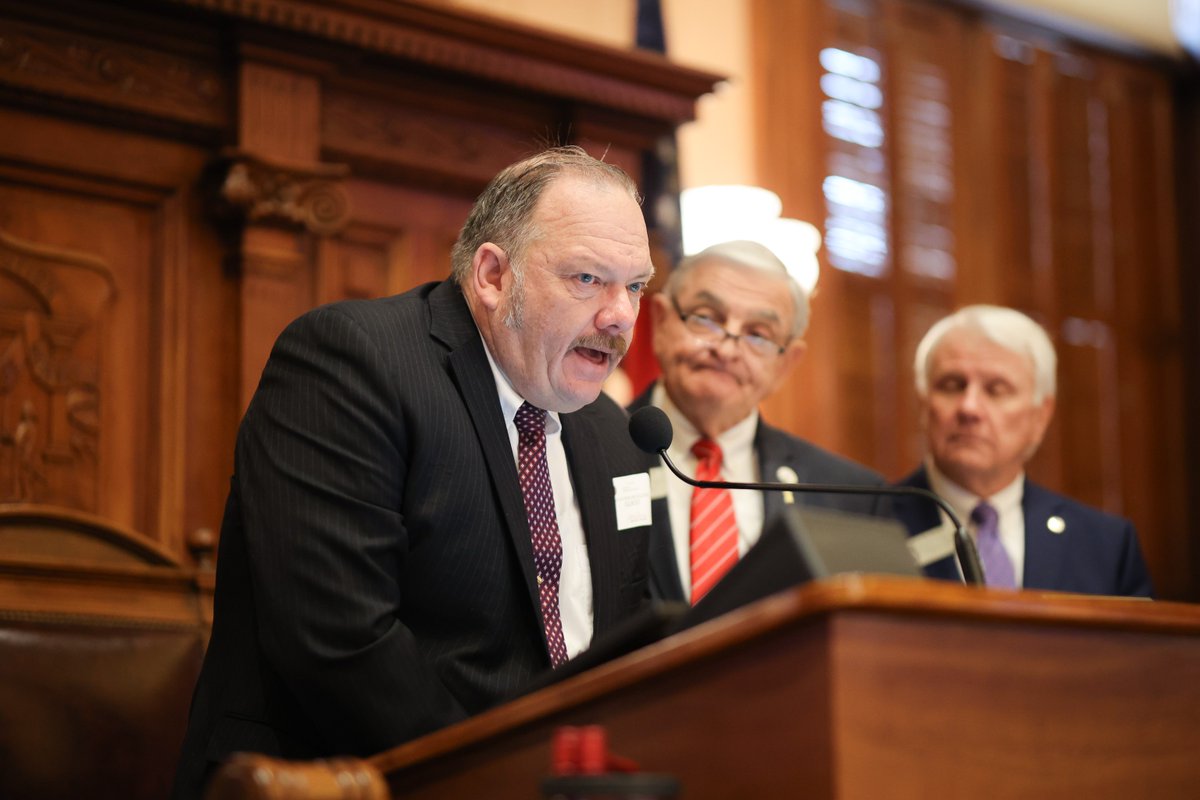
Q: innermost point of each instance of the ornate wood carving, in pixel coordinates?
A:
(75, 65)
(259, 189)
(113, 118)
(51, 302)
(482, 48)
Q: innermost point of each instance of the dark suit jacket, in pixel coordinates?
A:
(376, 576)
(775, 448)
(1096, 553)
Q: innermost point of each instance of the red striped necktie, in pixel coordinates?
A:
(714, 533)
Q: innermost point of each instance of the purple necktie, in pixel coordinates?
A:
(997, 568)
(543, 522)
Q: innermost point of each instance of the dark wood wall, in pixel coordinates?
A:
(993, 161)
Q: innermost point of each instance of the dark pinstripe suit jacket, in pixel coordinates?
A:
(1093, 552)
(775, 449)
(375, 575)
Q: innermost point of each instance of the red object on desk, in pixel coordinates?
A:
(584, 751)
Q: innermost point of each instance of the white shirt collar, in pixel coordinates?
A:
(963, 501)
(737, 439)
(510, 401)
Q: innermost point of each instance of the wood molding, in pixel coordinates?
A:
(74, 65)
(488, 49)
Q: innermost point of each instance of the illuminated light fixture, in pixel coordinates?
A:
(715, 214)
(1185, 21)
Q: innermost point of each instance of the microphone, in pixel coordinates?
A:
(651, 431)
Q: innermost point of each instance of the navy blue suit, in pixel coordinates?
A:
(1096, 552)
(775, 449)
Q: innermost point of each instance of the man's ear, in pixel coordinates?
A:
(789, 358)
(660, 306)
(489, 274)
(1045, 413)
(792, 354)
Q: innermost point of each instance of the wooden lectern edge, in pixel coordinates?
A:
(843, 593)
(252, 776)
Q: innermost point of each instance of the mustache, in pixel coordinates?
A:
(609, 344)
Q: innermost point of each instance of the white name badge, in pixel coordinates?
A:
(632, 497)
(931, 545)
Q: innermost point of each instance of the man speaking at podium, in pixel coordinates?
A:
(985, 376)
(430, 503)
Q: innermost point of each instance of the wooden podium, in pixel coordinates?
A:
(867, 687)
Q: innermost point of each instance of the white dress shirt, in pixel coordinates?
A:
(575, 585)
(1007, 503)
(739, 464)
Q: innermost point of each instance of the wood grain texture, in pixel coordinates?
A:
(866, 687)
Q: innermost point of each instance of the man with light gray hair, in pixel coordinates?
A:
(728, 327)
(985, 377)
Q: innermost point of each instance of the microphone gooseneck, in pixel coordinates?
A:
(651, 431)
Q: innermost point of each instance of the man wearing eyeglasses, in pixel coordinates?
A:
(728, 326)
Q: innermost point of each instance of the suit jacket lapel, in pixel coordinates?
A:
(1044, 551)
(919, 515)
(452, 324)
(665, 583)
(770, 458)
(594, 491)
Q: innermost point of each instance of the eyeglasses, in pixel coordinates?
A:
(707, 329)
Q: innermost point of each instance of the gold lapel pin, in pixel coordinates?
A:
(786, 474)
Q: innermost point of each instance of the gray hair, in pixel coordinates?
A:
(1006, 327)
(750, 255)
(503, 213)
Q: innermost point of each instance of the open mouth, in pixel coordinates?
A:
(600, 350)
(598, 357)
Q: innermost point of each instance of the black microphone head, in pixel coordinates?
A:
(650, 429)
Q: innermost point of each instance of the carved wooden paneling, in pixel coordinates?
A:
(369, 261)
(370, 130)
(47, 59)
(179, 179)
(90, 417)
(410, 230)
(53, 304)
(482, 50)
